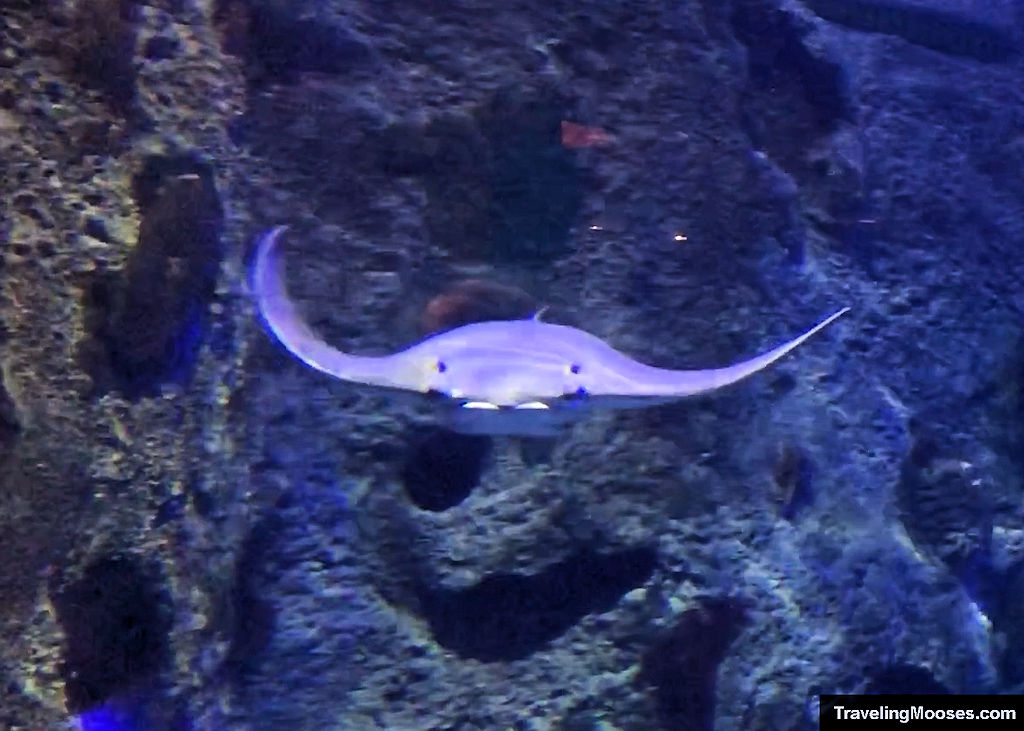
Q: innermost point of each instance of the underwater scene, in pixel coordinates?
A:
(591, 365)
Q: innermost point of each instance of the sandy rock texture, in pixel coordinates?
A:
(198, 532)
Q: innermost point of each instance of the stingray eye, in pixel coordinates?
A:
(441, 367)
(579, 393)
(574, 369)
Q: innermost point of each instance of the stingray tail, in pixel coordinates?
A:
(283, 319)
(649, 381)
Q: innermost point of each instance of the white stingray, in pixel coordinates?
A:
(522, 377)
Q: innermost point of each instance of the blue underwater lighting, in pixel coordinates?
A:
(109, 718)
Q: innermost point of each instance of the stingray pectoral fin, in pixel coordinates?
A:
(667, 383)
(282, 318)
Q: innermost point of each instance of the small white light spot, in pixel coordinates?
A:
(479, 405)
(679, 237)
(532, 405)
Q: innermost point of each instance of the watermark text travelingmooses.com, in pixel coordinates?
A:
(917, 711)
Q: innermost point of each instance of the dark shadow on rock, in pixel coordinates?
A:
(792, 474)
(779, 61)
(934, 28)
(947, 513)
(98, 46)
(248, 615)
(510, 616)
(535, 188)
(500, 185)
(277, 44)
(443, 467)
(116, 619)
(537, 450)
(148, 323)
(903, 678)
(10, 423)
(682, 667)
(251, 616)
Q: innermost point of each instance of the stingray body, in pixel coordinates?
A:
(522, 377)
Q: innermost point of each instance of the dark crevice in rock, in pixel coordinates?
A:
(148, 323)
(248, 613)
(792, 87)
(537, 450)
(995, 578)
(903, 678)
(795, 96)
(199, 496)
(161, 47)
(443, 467)
(947, 514)
(939, 30)
(500, 185)
(99, 48)
(116, 620)
(10, 424)
(682, 667)
(950, 513)
(792, 474)
(277, 43)
(535, 189)
(510, 616)
(170, 510)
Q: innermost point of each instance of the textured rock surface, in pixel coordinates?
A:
(257, 546)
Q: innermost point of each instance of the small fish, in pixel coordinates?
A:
(522, 377)
(579, 135)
